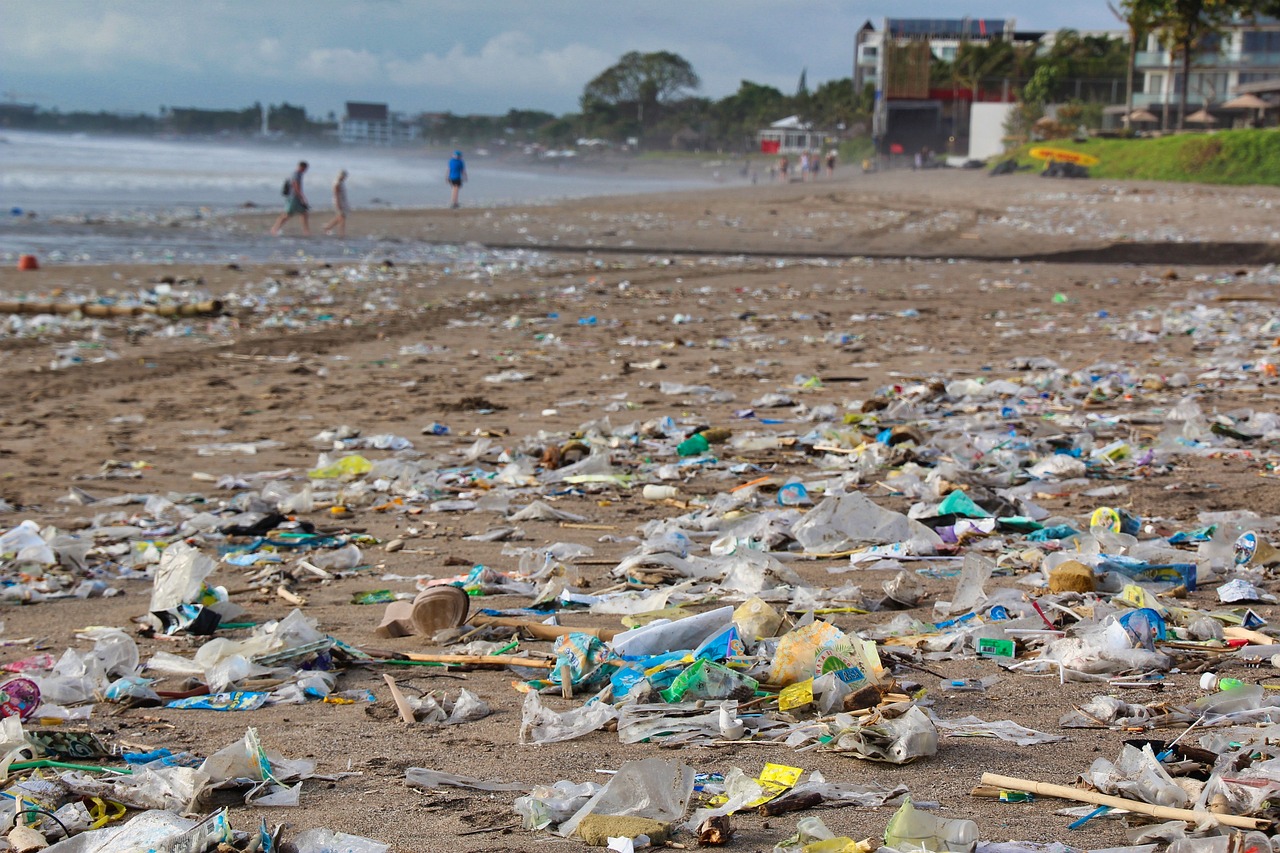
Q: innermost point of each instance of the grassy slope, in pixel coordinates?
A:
(1224, 157)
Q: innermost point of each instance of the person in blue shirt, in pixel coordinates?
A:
(457, 175)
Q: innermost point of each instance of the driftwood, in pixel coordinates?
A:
(480, 660)
(1048, 789)
(538, 630)
(92, 309)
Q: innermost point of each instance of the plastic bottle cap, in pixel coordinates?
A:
(1208, 681)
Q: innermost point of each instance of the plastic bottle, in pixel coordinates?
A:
(912, 829)
(653, 492)
(694, 445)
(1211, 681)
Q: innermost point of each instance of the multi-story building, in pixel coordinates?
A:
(374, 124)
(910, 114)
(1243, 58)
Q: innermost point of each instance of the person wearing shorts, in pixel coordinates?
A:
(340, 206)
(457, 176)
(297, 204)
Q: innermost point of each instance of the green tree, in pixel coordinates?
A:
(642, 81)
(1188, 26)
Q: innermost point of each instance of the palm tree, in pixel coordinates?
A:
(1137, 15)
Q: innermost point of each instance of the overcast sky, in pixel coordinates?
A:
(463, 56)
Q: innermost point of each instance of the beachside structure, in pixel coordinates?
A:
(1244, 59)
(374, 124)
(792, 136)
(910, 114)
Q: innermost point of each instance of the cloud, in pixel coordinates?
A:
(342, 65)
(507, 63)
(98, 41)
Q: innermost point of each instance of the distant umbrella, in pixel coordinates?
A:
(1202, 117)
(1142, 115)
(1245, 102)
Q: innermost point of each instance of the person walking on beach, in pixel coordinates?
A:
(340, 206)
(297, 203)
(457, 176)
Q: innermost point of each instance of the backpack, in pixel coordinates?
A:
(288, 187)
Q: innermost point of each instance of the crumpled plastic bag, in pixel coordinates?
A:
(845, 522)
(170, 788)
(162, 831)
(540, 724)
(326, 840)
(180, 576)
(653, 787)
(545, 805)
(27, 545)
(894, 741)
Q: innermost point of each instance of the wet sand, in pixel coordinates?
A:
(770, 283)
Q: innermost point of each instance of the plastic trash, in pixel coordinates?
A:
(163, 831)
(694, 445)
(1137, 774)
(848, 521)
(1212, 681)
(554, 804)
(421, 777)
(900, 740)
(756, 619)
(705, 679)
(540, 724)
(652, 787)
(911, 829)
(328, 841)
(664, 635)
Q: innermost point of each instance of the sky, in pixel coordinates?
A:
(460, 56)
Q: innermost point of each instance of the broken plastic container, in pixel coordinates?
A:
(911, 829)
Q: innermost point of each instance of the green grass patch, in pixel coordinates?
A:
(1224, 157)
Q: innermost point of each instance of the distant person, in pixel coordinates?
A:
(457, 176)
(784, 165)
(340, 206)
(297, 204)
(831, 163)
(803, 167)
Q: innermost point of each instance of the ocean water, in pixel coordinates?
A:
(57, 190)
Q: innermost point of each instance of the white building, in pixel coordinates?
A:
(791, 136)
(1245, 58)
(374, 124)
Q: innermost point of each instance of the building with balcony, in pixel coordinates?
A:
(1244, 58)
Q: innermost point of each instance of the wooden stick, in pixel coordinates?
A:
(402, 704)
(1048, 789)
(539, 630)
(482, 660)
(566, 680)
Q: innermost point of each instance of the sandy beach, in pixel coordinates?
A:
(615, 310)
